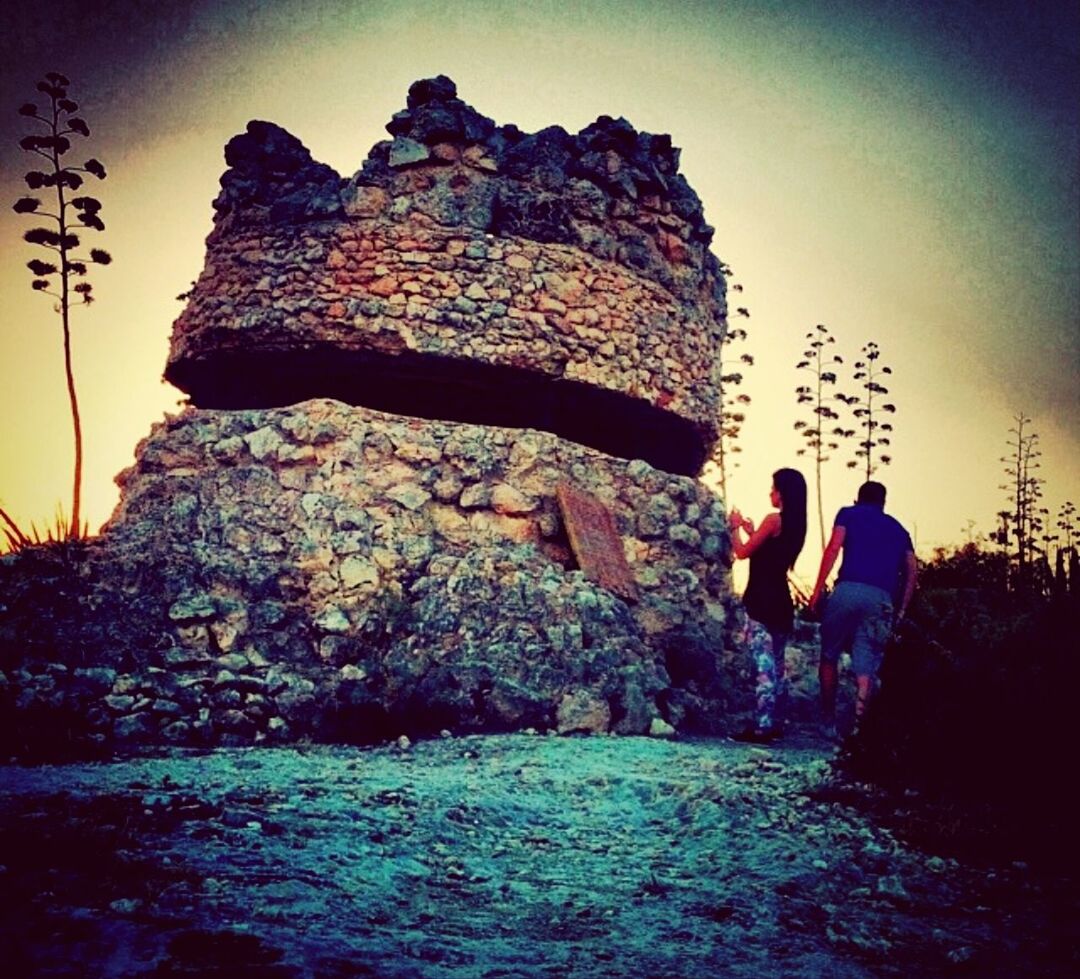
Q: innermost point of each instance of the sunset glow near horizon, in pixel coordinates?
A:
(910, 180)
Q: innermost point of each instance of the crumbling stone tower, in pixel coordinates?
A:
(355, 529)
(466, 273)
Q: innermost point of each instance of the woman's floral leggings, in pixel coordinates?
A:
(767, 650)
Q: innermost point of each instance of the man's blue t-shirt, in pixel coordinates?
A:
(875, 547)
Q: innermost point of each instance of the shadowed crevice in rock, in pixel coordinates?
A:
(446, 389)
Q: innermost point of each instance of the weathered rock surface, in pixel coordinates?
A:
(329, 571)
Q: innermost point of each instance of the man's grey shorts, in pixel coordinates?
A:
(857, 618)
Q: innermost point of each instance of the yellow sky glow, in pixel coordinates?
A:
(850, 183)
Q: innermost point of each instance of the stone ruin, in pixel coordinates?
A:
(354, 529)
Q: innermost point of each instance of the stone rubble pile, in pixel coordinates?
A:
(431, 568)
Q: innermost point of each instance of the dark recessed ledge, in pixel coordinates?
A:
(441, 388)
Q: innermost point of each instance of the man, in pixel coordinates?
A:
(874, 588)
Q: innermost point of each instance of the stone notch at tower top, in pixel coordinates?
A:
(467, 272)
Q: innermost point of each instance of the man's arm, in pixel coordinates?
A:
(828, 559)
(911, 568)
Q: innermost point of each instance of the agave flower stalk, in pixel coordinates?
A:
(820, 395)
(58, 125)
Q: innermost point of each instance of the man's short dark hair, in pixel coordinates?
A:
(871, 492)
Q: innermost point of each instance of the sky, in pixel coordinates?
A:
(902, 173)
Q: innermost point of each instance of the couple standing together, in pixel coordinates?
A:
(875, 585)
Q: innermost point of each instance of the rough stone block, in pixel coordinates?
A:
(581, 711)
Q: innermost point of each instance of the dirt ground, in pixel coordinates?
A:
(498, 857)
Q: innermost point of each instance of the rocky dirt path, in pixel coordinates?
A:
(513, 856)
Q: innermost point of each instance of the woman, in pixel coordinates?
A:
(772, 549)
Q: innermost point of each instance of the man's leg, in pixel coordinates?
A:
(827, 678)
(864, 687)
(867, 652)
(835, 636)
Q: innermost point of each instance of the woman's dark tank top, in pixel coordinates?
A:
(767, 598)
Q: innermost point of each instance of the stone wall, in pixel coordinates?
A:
(575, 258)
(329, 571)
(385, 289)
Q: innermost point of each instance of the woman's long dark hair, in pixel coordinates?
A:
(791, 486)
